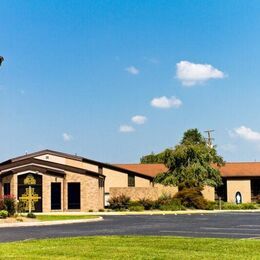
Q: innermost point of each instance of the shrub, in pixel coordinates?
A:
(164, 199)
(147, 203)
(20, 207)
(2, 204)
(173, 205)
(101, 210)
(10, 204)
(3, 213)
(191, 198)
(90, 210)
(136, 208)
(248, 206)
(31, 215)
(120, 202)
(211, 205)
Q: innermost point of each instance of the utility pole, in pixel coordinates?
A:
(209, 139)
(1, 60)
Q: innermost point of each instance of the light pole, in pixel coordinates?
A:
(1, 60)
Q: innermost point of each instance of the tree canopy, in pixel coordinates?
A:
(192, 163)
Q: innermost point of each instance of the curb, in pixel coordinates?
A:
(49, 223)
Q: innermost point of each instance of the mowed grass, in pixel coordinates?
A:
(132, 247)
(63, 217)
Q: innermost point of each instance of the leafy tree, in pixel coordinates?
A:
(153, 158)
(191, 164)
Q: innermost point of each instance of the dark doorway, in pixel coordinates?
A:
(55, 195)
(74, 195)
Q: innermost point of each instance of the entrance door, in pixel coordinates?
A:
(74, 195)
(55, 195)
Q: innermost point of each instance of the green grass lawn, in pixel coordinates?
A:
(132, 247)
(63, 217)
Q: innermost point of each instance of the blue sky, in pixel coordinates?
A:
(77, 72)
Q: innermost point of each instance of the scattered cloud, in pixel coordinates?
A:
(164, 102)
(247, 133)
(126, 129)
(139, 120)
(191, 74)
(132, 70)
(67, 137)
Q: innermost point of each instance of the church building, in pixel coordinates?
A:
(49, 181)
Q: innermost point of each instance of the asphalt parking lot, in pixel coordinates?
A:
(224, 225)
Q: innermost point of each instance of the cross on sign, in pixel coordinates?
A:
(30, 198)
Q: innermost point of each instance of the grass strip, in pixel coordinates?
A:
(132, 247)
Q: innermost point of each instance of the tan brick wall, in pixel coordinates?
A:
(243, 186)
(209, 193)
(142, 182)
(70, 162)
(115, 179)
(136, 193)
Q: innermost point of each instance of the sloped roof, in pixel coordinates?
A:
(232, 169)
(241, 169)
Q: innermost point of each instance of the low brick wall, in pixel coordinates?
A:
(136, 193)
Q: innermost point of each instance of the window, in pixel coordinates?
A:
(7, 189)
(131, 180)
(101, 183)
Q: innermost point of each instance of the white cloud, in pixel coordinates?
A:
(67, 137)
(126, 129)
(132, 70)
(247, 133)
(139, 119)
(191, 73)
(164, 102)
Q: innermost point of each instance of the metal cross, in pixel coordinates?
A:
(30, 198)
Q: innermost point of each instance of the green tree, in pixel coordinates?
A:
(191, 164)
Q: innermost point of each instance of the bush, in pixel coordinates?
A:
(120, 202)
(31, 215)
(233, 206)
(136, 208)
(10, 204)
(2, 204)
(192, 198)
(147, 203)
(20, 207)
(211, 205)
(173, 205)
(3, 213)
(248, 206)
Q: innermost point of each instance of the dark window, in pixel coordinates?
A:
(7, 189)
(255, 189)
(74, 195)
(101, 183)
(55, 195)
(131, 180)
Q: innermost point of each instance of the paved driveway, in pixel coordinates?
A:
(228, 225)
